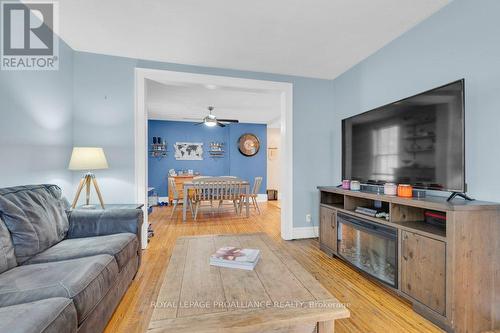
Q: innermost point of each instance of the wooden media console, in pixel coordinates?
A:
(450, 273)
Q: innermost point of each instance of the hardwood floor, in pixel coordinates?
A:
(373, 307)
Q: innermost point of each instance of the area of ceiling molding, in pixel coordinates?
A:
(315, 38)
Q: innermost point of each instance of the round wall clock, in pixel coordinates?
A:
(248, 144)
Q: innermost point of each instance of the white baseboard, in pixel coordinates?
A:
(261, 197)
(305, 232)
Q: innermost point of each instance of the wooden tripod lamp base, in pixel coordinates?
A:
(87, 158)
(87, 180)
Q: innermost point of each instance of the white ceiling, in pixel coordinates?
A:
(189, 102)
(314, 38)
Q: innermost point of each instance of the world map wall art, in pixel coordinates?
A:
(188, 151)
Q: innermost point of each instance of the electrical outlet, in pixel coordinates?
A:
(308, 218)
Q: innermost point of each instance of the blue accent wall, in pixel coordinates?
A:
(248, 167)
(232, 164)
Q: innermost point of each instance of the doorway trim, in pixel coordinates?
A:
(141, 133)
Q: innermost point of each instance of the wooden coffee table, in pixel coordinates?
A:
(278, 296)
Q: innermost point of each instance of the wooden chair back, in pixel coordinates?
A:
(256, 185)
(173, 187)
(232, 190)
(217, 189)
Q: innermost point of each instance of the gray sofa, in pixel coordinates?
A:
(62, 270)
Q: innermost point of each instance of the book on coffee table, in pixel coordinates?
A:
(235, 257)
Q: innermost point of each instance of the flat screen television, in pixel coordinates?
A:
(418, 140)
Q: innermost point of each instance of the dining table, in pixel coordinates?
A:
(190, 185)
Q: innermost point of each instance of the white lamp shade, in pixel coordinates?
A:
(88, 158)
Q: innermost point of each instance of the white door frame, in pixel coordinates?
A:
(141, 135)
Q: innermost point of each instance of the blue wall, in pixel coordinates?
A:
(103, 91)
(248, 167)
(36, 125)
(104, 87)
(460, 41)
(233, 163)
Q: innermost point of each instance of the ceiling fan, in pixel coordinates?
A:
(210, 120)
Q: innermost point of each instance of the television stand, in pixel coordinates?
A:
(459, 194)
(448, 271)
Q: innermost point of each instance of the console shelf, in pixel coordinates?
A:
(434, 261)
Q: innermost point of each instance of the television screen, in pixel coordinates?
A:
(417, 141)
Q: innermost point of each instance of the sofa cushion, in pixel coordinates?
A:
(35, 216)
(86, 281)
(122, 246)
(48, 315)
(7, 256)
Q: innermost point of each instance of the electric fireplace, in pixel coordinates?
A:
(370, 246)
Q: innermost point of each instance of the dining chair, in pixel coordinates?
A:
(176, 197)
(203, 191)
(230, 190)
(253, 195)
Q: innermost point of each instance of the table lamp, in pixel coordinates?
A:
(87, 158)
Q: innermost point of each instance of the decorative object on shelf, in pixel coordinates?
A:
(383, 215)
(158, 148)
(366, 211)
(419, 193)
(355, 185)
(405, 191)
(248, 144)
(188, 151)
(436, 218)
(88, 158)
(346, 184)
(372, 212)
(390, 189)
(217, 149)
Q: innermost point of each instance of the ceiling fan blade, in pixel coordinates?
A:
(196, 124)
(186, 118)
(228, 120)
(220, 124)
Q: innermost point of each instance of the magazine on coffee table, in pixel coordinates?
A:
(235, 257)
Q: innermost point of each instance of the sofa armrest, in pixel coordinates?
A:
(89, 223)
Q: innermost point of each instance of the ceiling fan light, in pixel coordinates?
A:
(210, 122)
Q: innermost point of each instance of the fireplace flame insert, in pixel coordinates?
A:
(369, 246)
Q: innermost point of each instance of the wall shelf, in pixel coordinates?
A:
(217, 149)
(158, 150)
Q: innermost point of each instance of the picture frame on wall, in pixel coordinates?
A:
(188, 151)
